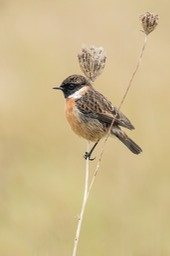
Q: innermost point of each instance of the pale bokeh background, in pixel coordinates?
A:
(41, 164)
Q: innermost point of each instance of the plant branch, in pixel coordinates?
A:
(92, 62)
(80, 218)
(120, 105)
(135, 71)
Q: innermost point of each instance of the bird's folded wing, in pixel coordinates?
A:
(98, 107)
(118, 118)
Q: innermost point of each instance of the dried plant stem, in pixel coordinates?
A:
(92, 62)
(135, 71)
(80, 218)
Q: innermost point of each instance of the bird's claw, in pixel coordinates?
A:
(87, 155)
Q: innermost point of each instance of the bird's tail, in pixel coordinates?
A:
(129, 143)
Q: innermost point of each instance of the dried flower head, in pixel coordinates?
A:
(92, 61)
(149, 22)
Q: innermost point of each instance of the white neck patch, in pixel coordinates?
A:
(77, 94)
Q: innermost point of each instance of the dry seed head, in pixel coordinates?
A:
(149, 22)
(92, 61)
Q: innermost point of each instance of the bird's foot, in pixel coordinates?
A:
(87, 155)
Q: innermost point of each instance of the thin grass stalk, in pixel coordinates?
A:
(80, 218)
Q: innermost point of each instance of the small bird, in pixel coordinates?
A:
(90, 114)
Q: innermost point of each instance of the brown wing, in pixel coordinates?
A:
(95, 105)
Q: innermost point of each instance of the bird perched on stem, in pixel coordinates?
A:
(90, 114)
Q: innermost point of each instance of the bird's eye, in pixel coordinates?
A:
(71, 86)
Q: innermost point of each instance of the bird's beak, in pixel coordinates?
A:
(58, 88)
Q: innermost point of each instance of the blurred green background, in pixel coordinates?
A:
(41, 165)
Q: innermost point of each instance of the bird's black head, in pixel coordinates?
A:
(72, 84)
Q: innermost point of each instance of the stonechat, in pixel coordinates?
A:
(90, 114)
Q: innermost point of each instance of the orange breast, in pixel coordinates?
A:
(69, 110)
(72, 116)
(91, 130)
